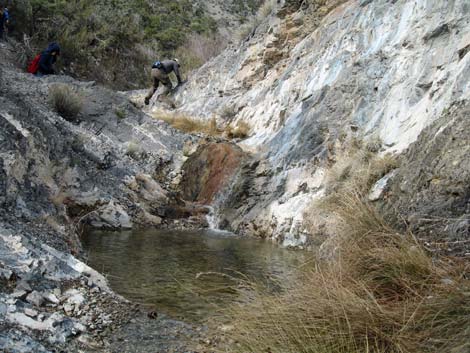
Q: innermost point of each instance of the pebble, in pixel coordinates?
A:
(35, 298)
(51, 298)
(19, 294)
(30, 312)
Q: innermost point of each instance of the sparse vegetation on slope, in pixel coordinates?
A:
(115, 42)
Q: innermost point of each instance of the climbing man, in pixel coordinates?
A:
(4, 19)
(160, 73)
(47, 60)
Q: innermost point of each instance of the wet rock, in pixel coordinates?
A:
(150, 219)
(150, 189)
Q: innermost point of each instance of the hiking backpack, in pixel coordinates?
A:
(157, 65)
(33, 67)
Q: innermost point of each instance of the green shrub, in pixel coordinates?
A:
(99, 39)
(120, 113)
(134, 151)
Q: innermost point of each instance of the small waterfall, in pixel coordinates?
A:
(212, 218)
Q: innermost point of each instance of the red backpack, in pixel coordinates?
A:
(33, 67)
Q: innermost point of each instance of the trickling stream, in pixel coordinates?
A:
(179, 272)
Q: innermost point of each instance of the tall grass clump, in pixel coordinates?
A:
(381, 293)
(65, 101)
(377, 291)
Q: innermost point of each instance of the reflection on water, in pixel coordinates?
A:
(160, 267)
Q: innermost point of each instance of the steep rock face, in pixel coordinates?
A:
(431, 189)
(373, 69)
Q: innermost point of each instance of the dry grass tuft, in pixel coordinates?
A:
(66, 102)
(358, 166)
(189, 124)
(228, 112)
(378, 291)
(240, 130)
(381, 293)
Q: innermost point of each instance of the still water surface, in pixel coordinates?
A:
(160, 268)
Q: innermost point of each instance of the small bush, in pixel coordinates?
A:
(120, 113)
(228, 112)
(65, 101)
(134, 151)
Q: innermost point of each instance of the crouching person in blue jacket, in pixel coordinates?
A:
(48, 59)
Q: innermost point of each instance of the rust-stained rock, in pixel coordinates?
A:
(209, 170)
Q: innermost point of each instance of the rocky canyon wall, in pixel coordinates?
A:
(311, 76)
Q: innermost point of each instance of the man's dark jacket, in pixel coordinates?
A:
(47, 59)
(167, 66)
